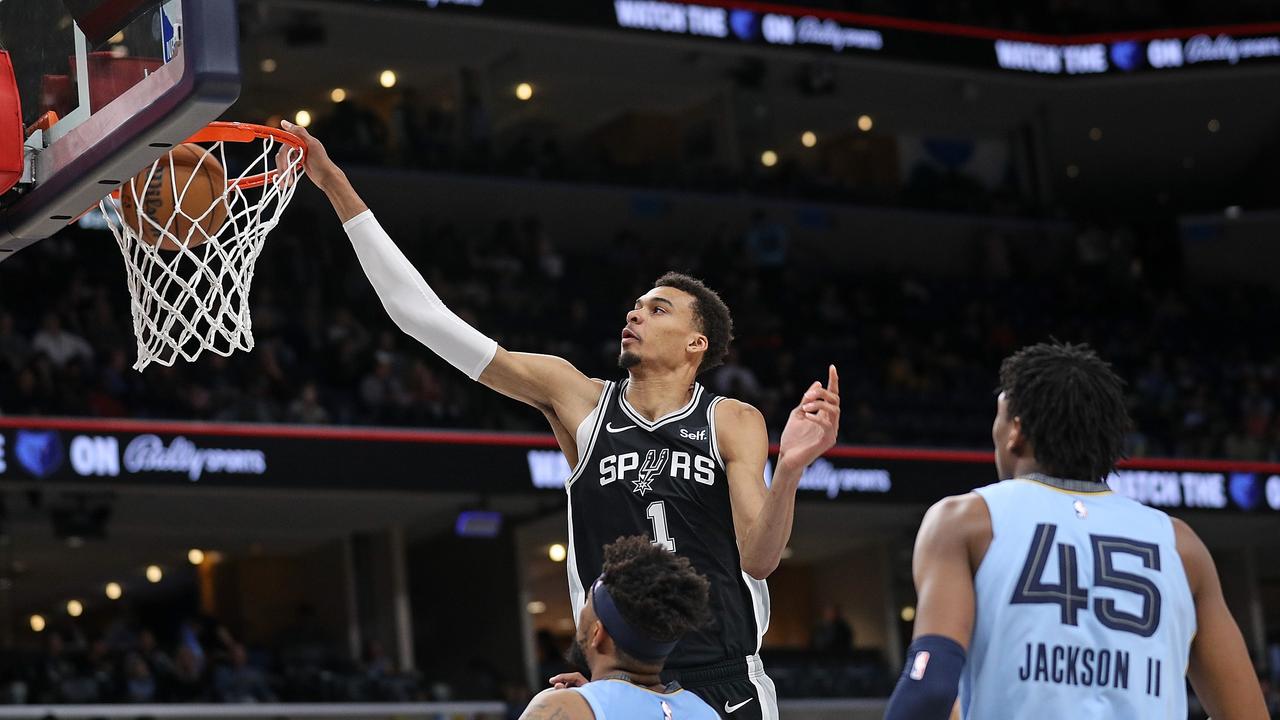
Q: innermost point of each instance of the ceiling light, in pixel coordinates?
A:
(557, 553)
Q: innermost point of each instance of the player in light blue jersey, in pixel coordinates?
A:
(1047, 596)
(646, 599)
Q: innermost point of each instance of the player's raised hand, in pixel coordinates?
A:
(319, 166)
(811, 429)
(568, 680)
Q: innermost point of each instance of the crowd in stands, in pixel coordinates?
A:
(461, 135)
(918, 355)
(199, 662)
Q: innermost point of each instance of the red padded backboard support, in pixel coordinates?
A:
(11, 135)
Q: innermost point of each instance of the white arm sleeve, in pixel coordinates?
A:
(411, 302)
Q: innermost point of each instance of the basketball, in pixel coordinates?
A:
(185, 190)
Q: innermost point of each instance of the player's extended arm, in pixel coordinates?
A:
(762, 517)
(1220, 669)
(942, 567)
(546, 382)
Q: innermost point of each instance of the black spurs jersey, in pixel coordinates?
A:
(664, 479)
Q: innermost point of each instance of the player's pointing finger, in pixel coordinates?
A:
(833, 379)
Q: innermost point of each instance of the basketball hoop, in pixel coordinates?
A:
(190, 266)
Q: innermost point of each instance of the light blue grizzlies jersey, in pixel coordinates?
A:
(621, 700)
(1083, 609)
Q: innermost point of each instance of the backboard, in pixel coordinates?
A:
(125, 81)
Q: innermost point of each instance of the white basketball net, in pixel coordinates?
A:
(197, 298)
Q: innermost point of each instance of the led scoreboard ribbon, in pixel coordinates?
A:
(131, 452)
(855, 34)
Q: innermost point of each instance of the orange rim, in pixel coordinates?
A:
(221, 131)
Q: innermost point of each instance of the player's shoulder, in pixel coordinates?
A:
(729, 411)
(957, 509)
(740, 427)
(957, 518)
(1182, 530)
(1196, 560)
(564, 704)
(594, 391)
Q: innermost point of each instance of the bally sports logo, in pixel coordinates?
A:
(147, 453)
(98, 455)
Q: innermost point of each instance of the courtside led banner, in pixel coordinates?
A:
(35, 451)
(763, 24)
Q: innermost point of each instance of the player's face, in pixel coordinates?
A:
(661, 330)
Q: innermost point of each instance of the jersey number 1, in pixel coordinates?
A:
(1071, 598)
(657, 513)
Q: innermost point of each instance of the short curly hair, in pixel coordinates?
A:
(658, 592)
(1072, 407)
(711, 313)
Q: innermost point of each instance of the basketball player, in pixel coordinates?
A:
(1068, 600)
(654, 454)
(644, 602)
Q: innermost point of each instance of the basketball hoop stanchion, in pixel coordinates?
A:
(190, 264)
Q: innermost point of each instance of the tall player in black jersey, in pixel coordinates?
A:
(655, 453)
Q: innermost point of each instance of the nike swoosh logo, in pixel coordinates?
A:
(612, 429)
(734, 708)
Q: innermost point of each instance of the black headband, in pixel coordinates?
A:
(628, 639)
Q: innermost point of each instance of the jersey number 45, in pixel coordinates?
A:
(1072, 598)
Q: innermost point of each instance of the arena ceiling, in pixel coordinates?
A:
(1180, 140)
